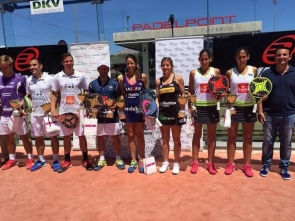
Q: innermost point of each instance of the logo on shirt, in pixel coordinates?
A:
(167, 90)
(70, 99)
(243, 88)
(204, 88)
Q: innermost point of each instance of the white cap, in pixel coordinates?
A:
(100, 63)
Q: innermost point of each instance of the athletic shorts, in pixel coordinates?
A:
(38, 128)
(110, 129)
(207, 115)
(244, 115)
(64, 131)
(19, 127)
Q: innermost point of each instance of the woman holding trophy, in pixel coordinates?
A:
(131, 85)
(170, 100)
(12, 92)
(204, 109)
(239, 78)
(39, 86)
(69, 83)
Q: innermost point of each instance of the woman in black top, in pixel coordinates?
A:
(169, 88)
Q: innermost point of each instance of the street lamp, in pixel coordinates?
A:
(274, 14)
(208, 22)
(171, 19)
(96, 3)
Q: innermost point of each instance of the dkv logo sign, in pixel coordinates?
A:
(46, 6)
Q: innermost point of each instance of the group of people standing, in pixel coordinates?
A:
(276, 112)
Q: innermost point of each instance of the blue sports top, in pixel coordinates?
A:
(108, 90)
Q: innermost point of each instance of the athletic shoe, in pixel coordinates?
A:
(194, 168)
(140, 167)
(39, 164)
(9, 164)
(87, 165)
(285, 174)
(120, 164)
(230, 167)
(55, 166)
(132, 166)
(64, 166)
(164, 167)
(175, 169)
(29, 164)
(100, 164)
(211, 168)
(264, 171)
(247, 170)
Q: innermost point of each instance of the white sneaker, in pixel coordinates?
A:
(175, 169)
(164, 167)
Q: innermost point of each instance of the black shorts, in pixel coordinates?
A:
(207, 115)
(244, 115)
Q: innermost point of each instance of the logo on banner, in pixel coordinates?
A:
(23, 59)
(46, 6)
(288, 41)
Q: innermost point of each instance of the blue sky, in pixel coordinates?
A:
(49, 28)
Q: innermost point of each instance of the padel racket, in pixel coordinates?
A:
(218, 87)
(148, 106)
(259, 87)
(70, 120)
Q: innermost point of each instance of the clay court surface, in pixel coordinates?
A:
(111, 194)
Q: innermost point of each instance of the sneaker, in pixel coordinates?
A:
(175, 169)
(120, 164)
(285, 174)
(64, 166)
(87, 165)
(100, 164)
(211, 168)
(55, 166)
(230, 167)
(140, 167)
(9, 164)
(264, 171)
(39, 164)
(132, 166)
(194, 168)
(247, 170)
(164, 167)
(29, 164)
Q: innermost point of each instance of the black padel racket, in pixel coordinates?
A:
(70, 120)
(218, 87)
(259, 87)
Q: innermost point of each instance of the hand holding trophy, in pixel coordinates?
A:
(182, 101)
(231, 98)
(94, 103)
(110, 102)
(15, 104)
(192, 99)
(121, 105)
(46, 108)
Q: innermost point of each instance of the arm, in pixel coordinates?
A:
(122, 89)
(261, 116)
(144, 81)
(180, 83)
(191, 85)
(157, 92)
(255, 71)
(217, 72)
(53, 100)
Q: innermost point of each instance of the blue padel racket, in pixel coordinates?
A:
(259, 87)
(147, 94)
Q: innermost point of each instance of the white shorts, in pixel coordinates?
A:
(110, 129)
(64, 131)
(20, 127)
(38, 128)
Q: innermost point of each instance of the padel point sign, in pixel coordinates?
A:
(46, 6)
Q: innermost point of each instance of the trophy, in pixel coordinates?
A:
(46, 107)
(110, 102)
(92, 101)
(81, 97)
(121, 105)
(182, 101)
(14, 104)
(192, 99)
(231, 98)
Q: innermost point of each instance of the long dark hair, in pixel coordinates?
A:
(137, 72)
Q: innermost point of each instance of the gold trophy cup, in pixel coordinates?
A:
(46, 107)
(14, 104)
(121, 105)
(192, 99)
(81, 97)
(182, 101)
(110, 102)
(231, 98)
(94, 105)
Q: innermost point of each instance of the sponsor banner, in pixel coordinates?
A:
(87, 55)
(46, 6)
(50, 55)
(183, 51)
(261, 47)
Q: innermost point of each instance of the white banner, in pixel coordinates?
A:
(86, 57)
(46, 6)
(184, 53)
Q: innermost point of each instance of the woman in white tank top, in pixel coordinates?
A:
(207, 112)
(239, 78)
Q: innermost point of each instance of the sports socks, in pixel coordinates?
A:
(30, 156)
(67, 157)
(12, 156)
(118, 158)
(55, 157)
(101, 157)
(41, 158)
